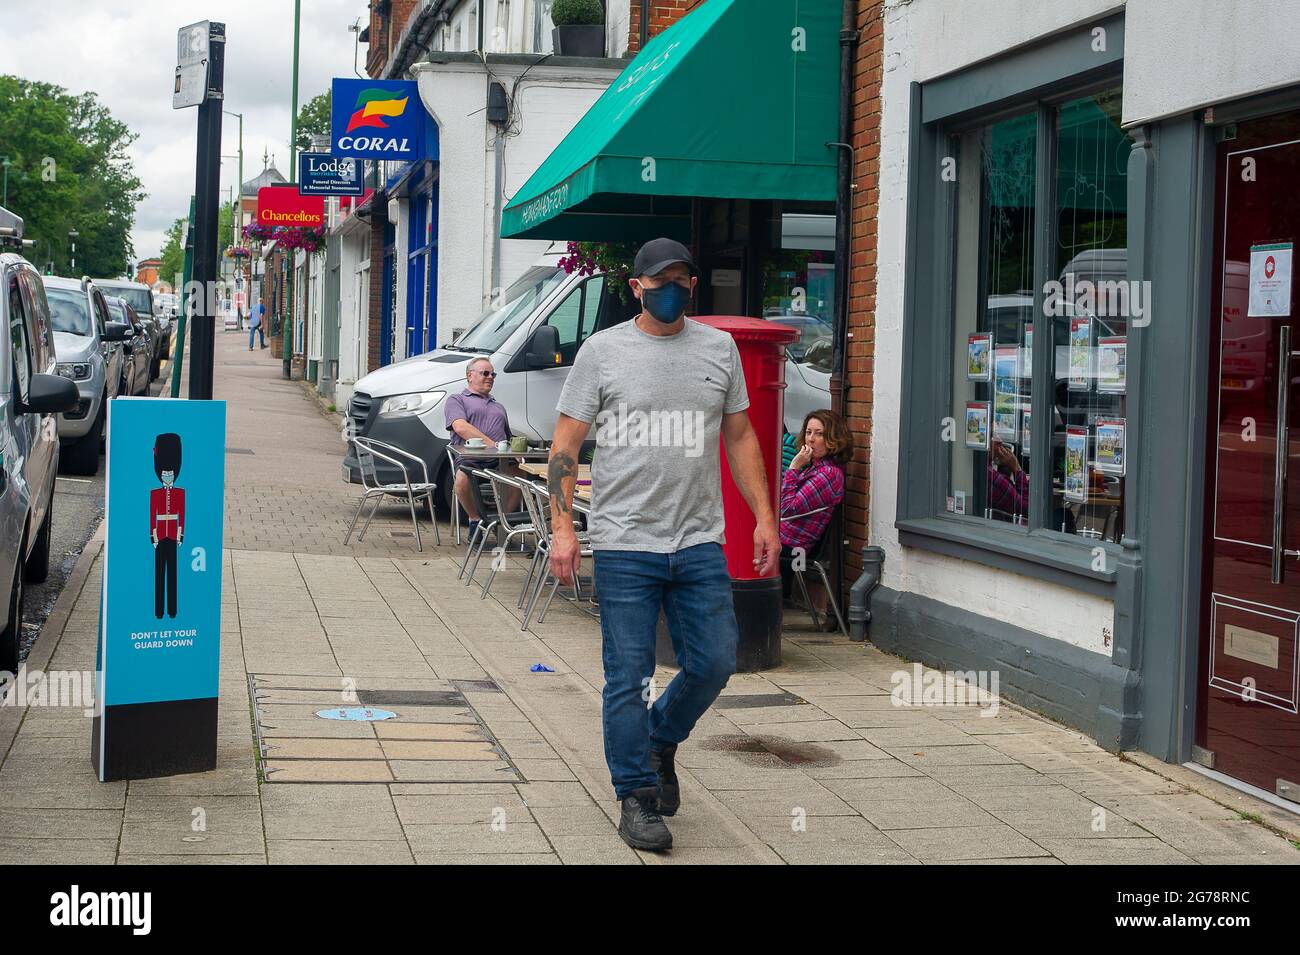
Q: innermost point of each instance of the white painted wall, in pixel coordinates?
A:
(549, 102)
(921, 34)
(1181, 55)
(953, 34)
(398, 212)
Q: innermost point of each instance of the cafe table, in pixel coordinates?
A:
(581, 491)
(466, 453)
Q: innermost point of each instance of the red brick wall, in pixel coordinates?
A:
(385, 32)
(860, 355)
(663, 14)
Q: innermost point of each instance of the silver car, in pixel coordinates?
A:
(90, 349)
(31, 395)
(141, 298)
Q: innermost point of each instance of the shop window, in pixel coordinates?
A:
(1081, 309)
(993, 319)
(1089, 309)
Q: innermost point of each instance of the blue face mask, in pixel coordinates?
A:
(667, 303)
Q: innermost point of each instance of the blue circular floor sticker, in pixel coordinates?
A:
(366, 714)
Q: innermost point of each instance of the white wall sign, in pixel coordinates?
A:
(1270, 280)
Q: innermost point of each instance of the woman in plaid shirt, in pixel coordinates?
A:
(814, 480)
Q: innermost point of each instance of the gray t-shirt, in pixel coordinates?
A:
(656, 405)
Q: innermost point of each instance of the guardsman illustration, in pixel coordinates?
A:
(166, 520)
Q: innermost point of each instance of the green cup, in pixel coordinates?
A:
(518, 443)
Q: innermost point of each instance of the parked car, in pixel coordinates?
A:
(31, 395)
(139, 349)
(140, 297)
(167, 309)
(545, 313)
(91, 354)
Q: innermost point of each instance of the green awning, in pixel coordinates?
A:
(736, 100)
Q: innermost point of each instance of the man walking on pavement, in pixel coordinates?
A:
(660, 390)
(255, 325)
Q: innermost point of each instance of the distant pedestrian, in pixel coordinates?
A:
(255, 325)
(656, 522)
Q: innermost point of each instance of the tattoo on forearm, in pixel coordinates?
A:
(562, 468)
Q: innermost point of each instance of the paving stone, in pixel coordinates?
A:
(42, 850)
(574, 820)
(439, 749)
(544, 770)
(439, 857)
(1141, 851)
(956, 843)
(555, 794)
(327, 771)
(231, 825)
(476, 838)
(595, 850)
(448, 770)
(468, 809)
(464, 732)
(338, 852)
(280, 748)
(211, 859)
(78, 824)
(340, 812)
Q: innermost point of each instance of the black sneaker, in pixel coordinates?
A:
(670, 794)
(641, 826)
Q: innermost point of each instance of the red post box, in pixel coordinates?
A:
(757, 599)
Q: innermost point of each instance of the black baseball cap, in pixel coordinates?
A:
(657, 254)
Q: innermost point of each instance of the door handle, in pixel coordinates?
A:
(1282, 446)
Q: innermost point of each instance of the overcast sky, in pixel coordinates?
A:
(126, 53)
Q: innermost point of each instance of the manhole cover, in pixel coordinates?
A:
(411, 698)
(364, 714)
(481, 686)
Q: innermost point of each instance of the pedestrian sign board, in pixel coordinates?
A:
(192, 56)
(160, 622)
(320, 174)
(376, 119)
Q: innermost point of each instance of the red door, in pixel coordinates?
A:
(1249, 697)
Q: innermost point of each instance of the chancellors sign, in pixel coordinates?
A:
(284, 205)
(376, 119)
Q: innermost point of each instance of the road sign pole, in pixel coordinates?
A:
(207, 185)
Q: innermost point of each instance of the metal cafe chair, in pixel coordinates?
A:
(368, 450)
(502, 485)
(539, 504)
(817, 561)
(490, 520)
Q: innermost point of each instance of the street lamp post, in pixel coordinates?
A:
(293, 123)
(6, 162)
(72, 236)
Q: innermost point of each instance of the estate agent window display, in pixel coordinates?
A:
(995, 252)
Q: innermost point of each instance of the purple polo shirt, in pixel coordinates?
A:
(482, 411)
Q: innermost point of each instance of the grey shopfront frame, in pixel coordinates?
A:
(1143, 695)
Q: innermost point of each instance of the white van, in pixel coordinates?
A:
(546, 314)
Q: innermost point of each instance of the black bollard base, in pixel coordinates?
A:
(758, 616)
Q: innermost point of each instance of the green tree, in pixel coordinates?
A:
(173, 254)
(69, 169)
(313, 120)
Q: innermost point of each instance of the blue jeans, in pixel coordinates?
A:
(694, 590)
(256, 330)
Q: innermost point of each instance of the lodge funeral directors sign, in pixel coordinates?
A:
(160, 623)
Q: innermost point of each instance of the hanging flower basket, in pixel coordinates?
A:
(289, 237)
(238, 252)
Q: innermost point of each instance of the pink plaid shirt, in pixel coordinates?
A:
(820, 484)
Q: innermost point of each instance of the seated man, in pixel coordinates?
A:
(474, 413)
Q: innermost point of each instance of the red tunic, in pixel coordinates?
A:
(167, 513)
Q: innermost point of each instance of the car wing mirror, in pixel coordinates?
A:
(544, 348)
(50, 394)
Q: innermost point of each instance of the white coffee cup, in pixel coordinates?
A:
(474, 443)
(503, 445)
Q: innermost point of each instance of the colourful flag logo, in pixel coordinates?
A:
(372, 106)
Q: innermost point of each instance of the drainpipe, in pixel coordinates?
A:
(843, 243)
(645, 24)
(873, 566)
